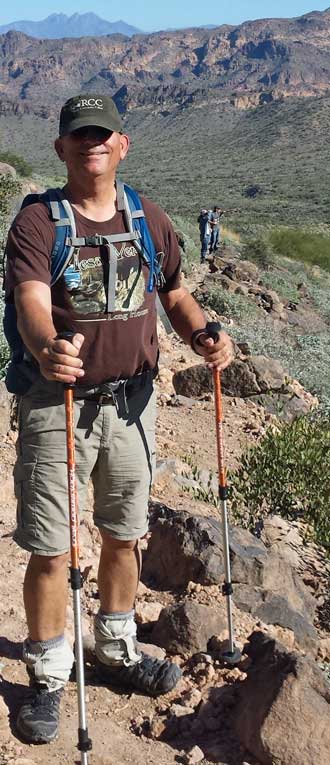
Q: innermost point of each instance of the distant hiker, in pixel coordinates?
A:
(215, 216)
(104, 291)
(204, 232)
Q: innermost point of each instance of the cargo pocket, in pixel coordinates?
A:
(25, 493)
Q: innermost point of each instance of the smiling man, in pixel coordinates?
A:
(103, 296)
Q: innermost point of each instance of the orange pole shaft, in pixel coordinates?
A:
(72, 489)
(219, 427)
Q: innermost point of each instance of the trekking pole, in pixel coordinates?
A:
(233, 654)
(84, 742)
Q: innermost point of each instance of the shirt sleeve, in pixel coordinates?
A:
(165, 242)
(28, 249)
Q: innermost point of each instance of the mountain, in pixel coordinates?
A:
(209, 110)
(254, 63)
(58, 25)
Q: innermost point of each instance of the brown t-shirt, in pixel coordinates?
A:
(118, 344)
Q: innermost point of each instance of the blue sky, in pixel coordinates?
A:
(148, 15)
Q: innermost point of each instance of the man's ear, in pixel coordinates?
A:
(124, 145)
(59, 149)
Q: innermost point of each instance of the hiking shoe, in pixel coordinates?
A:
(38, 718)
(150, 676)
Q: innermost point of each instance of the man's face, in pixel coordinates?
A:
(92, 151)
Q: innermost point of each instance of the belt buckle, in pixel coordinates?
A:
(103, 398)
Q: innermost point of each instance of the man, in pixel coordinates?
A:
(114, 443)
(215, 216)
(204, 232)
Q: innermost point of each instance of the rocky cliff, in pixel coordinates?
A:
(254, 63)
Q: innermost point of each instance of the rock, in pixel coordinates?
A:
(182, 401)
(152, 650)
(147, 612)
(239, 380)
(193, 756)
(5, 409)
(269, 373)
(157, 727)
(184, 548)
(281, 599)
(285, 406)
(284, 706)
(177, 710)
(187, 548)
(193, 381)
(188, 626)
(6, 169)
(191, 698)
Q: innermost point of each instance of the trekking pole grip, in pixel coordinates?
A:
(213, 328)
(66, 336)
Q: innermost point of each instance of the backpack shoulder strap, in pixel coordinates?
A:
(60, 212)
(129, 201)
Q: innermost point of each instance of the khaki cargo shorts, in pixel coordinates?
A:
(116, 453)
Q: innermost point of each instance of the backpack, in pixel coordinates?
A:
(22, 369)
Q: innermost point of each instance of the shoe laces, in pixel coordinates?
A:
(43, 697)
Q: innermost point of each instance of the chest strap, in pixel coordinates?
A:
(100, 240)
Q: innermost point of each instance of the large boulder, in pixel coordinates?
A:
(186, 548)
(269, 373)
(188, 626)
(237, 380)
(284, 708)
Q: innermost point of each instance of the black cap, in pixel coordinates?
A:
(89, 109)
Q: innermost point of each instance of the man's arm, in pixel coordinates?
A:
(186, 316)
(58, 359)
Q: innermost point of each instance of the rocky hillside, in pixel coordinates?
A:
(218, 713)
(247, 65)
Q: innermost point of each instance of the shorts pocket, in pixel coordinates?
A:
(25, 493)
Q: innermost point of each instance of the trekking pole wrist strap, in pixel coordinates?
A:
(195, 340)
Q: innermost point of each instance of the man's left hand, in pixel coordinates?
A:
(219, 354)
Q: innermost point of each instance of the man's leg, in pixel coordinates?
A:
(121, 484)
(43, 529)
(119, 573)
(45, 595)
(46, 652)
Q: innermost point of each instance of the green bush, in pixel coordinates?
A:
(297, 244)
(9, 188)
(287, 473)
(260, 252)
(232, 306)
(20, 164)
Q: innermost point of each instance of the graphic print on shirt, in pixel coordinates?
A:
(87, 282)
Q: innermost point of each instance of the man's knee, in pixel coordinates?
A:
(48, 564)
(116, 545)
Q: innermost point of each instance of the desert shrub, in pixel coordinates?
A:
(253, 190)
(19, 163)
(259, 250)
(9, 188)
(307, 247)
(188, 230)
(232, 306)
(287, 473)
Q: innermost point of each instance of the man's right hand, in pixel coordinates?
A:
(59, 359)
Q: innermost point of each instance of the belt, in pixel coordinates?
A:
(118, 392)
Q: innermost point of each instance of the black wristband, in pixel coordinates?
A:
(194, 340)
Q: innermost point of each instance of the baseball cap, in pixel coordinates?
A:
(89, 109)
